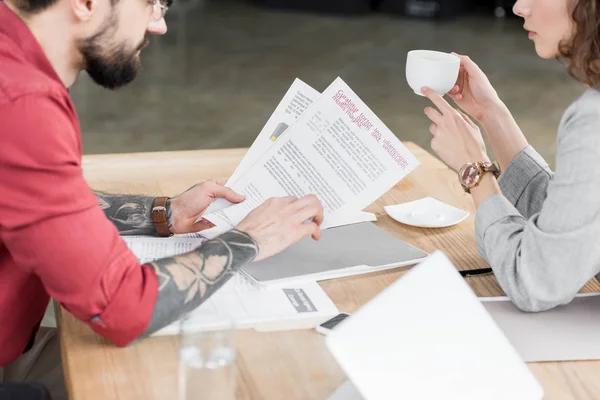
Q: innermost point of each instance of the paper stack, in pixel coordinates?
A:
(331, 145)
(296, 306)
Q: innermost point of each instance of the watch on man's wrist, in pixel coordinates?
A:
(159, 216)
(470, 174)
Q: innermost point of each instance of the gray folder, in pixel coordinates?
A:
(342, 251)
(569, 332)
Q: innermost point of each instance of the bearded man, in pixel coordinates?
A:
(60, 239)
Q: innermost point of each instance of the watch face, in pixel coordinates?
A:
(468, 175)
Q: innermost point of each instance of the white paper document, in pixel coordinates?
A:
(338, 150)
(336, 221)
(295, 307)
(352, 218)
(296, 101)
(147, 248)
(249, 305)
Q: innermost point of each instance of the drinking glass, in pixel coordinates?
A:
(207, 358)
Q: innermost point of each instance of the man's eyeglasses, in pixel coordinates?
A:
(159, 9)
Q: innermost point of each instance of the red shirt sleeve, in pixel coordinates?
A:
(53, 227)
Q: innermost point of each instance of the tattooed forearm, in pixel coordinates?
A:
(185, 282)
(132, 215)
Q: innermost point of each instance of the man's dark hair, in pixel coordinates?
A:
(33, 6)
(36, 6)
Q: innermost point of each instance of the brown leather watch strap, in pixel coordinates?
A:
(159, 216)
(493, 168)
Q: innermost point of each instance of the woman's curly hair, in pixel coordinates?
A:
(582, 51)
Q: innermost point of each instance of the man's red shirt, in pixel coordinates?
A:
(55, 241)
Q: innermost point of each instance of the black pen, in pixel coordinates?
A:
(474, 272)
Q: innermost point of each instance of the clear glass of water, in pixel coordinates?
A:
(207, 359)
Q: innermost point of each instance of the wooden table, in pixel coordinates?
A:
(281, 365)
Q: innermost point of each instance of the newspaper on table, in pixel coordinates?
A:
(295, 306)
(331, 145)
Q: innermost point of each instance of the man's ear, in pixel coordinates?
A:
(84, 9)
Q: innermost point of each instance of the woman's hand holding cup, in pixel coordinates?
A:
(473, 92)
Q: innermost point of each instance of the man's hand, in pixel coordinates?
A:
(185, 209)
(281, 222)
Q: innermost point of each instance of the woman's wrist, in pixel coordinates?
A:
(505, 136)
(476, 155)
(494, 113)
(488, 186)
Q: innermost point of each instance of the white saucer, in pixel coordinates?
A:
(426, 213)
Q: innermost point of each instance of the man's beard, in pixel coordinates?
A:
(113, 65)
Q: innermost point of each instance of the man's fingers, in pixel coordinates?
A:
(222, 192)
(311, 212)
(318, 219)
(312, 229)
(220, 181)
(289, 199)
(306, 201)
(310, 207)
(436, 99)
(203, 224)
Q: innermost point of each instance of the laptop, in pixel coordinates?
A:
(427, 336)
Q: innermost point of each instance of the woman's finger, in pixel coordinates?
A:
(460, 81)
(462, 73)
(469, 66)
(433, 115)
(437, 100)
(456, 97)
(433, 129)
(466, 118)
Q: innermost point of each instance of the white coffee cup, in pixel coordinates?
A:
(434, 69)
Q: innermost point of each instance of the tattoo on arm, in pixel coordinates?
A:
(132, 215)
(185, 282)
